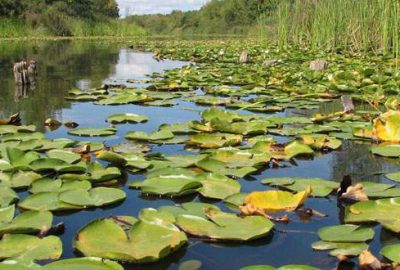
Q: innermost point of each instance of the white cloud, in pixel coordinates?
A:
(157, 6)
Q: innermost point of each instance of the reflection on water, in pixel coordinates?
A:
(65, 64)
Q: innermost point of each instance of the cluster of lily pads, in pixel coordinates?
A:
(63, 174)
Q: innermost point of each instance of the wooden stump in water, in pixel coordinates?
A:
(348, 105)
(25, 74)
(318, 65)
(244, 57)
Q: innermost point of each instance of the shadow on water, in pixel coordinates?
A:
(87, 64)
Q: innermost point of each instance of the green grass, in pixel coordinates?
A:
(362, 25)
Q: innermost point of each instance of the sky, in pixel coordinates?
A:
(157, 6)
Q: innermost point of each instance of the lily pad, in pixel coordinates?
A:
(64, 155)
(141, 241)
(27, 222)
(30, 248)
(384, 211)
(93, 132)
(320, 187)
(276, 200)
(99, 196)
(386, 150)
(97, 173)
(225, 226)
(216, 140)
(19, 179)
(392, 253)
(127, 118)
(346, 233)
(169, 185)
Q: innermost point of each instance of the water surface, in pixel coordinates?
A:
(67, 64)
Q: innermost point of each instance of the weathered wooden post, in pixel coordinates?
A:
(25, 74)
(244, 57)
(318, 65)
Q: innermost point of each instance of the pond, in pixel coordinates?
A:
(63, 65)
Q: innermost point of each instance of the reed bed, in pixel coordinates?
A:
(354, 25)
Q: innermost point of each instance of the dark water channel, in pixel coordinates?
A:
(65, 64)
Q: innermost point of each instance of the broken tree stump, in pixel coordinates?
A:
(348, 105)
(318, 65)
(244, 57)
(25, 74)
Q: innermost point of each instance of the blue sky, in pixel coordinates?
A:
(157, 6)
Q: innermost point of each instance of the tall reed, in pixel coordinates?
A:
(358, 25)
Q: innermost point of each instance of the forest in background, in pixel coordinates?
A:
(234, 17)
(35, 18)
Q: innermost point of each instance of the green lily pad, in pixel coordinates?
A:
(216, 140)
(152, 137)
(345, 234)
(99, 196)
(216, 166)
(58, 165)
(7, 196)
(64, 155)
(225, 226)
(127, 118)
(97, 173)
(342, 249)
(217, 186)
(19, 179)
(169, 185)
(16, 159)
(386, 150)
(384, 211)
(11, 129)
(394, 176)
(141, 241)
(91, 263)
(58, 185)
(27, 222)
(285, 267)
(93, 132)
(320, 187)
(392, 253)
(48, 201)
(30, 248)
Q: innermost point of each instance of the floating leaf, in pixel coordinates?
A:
(127, 118)
(387, 127)
(64, 155)
(29, 248)
(384, 211)
(217, 186)
(225, 226)
(26, 222)
(341, 249)
(392, 253)
(169, 185)
(99, 196)
(276, 200)
(345, 233)
(93, 132)
(143, 241)
(320, 187)
(58, 165)
(19, 179)
(216, 140)
(97, 173)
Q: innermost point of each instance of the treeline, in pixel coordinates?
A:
(62, 18)
(216, 17)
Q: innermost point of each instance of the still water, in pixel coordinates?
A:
(66, 64)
